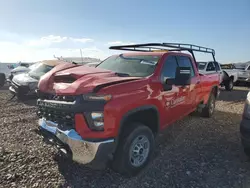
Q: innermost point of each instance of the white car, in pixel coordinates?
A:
(227, 77)
(244, 73)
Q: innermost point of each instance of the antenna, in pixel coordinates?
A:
(81, 55)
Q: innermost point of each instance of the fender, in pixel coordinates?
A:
(212, 88)
(133, 111)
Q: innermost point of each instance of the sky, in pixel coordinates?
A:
(32, 30)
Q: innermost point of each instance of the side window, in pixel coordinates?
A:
(169, 67)
(184, 61)
(217, 66)
(210, 67)
(248, 68)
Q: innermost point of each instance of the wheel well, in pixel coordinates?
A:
(148, 117)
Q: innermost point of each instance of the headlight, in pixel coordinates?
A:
(95, 120)
(97, 97)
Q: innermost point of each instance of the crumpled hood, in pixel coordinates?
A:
(24, 79)
(82, 79)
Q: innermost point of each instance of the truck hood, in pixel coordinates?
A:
(81, 79)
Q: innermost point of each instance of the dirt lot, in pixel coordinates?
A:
(194, 152)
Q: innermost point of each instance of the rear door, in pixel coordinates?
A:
(192, 91)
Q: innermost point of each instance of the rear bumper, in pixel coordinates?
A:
(94, 154)
(245, 132)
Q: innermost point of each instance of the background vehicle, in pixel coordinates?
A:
(22, 68)
(94, 64)
(7, 71)
(244, 73)
(227, 78)
(114, 112)
(26, 83)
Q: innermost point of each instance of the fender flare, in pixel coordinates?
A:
(212, 88)
(205, 99)
(133, 111)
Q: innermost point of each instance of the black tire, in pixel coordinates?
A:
(229, 85)
(247, 152)
(2, 79)
(122, 162)
(208, 110)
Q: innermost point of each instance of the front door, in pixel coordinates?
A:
(192, 91)
(173, 100)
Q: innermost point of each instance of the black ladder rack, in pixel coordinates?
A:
(151, 47)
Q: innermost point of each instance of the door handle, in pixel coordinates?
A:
(198, 81)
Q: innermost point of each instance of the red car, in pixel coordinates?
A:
(112, 113)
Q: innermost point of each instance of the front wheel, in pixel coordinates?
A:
(229, 85)
(135, 150)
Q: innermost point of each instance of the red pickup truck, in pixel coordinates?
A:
(111, 114)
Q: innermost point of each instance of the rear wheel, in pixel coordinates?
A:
(209, 108)
(229, 85)
(135, 149)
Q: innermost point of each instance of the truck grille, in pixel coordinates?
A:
(47, 96)
(64, 120)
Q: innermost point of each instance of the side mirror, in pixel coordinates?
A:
(168, 84)
(183, 76)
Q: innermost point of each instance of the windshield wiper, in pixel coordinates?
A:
(122, 74)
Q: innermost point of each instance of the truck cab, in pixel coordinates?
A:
(111, 113)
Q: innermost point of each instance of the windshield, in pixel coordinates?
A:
(135, 66)
(39, 70)
(202, 65)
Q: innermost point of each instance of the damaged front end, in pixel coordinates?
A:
(22, 86)
(61, 119)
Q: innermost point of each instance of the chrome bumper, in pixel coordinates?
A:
(97, 154)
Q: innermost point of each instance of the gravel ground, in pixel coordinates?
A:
(194, 152)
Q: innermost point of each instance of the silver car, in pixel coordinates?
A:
(26, 83)
(244, 73)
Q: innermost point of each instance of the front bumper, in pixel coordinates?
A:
(20, 89)
(243, 79)
(94, 154)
